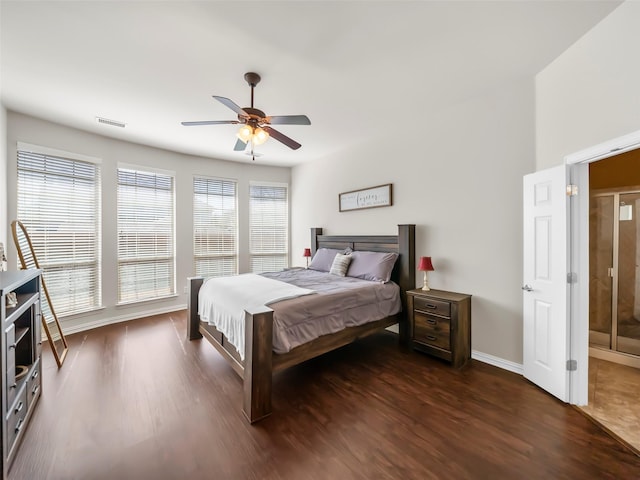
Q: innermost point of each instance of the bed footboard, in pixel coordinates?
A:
(258, 364)
(257, 370)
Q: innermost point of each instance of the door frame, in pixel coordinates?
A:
(578, 163)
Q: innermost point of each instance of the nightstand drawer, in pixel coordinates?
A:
(432, 330)
(429, 305)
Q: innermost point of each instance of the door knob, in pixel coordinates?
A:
(527, 288)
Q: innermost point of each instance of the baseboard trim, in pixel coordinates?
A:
(81, 327)
(497, 362)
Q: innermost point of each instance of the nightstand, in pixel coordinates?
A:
(440, 324)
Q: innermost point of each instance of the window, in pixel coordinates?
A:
(59, 204)
(268, 227)
(215, 227)
(146, 264)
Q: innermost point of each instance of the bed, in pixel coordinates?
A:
(261, 362)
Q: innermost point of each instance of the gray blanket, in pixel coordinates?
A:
(339, 302)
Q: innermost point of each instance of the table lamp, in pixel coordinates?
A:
(425, 266)
(307, 255)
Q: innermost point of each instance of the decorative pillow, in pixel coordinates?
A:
(375, 266)
(323, 259)
(340, 264)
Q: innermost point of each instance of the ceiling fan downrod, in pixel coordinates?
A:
(252, 79)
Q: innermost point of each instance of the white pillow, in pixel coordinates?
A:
(340, 264)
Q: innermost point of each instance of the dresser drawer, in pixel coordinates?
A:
(33, 383)
(429, 305)
(15, 417)
(430, 330)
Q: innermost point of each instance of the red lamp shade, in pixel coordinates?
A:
(425, 264)
(307, 252)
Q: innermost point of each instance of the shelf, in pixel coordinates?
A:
(25, 300)
(20, 333)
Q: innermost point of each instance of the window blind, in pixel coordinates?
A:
(268, 227)
(146, 262)
(59, 204)
(215, 227)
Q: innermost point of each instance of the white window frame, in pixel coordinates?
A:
(206, 252)
(121, 299)
(285, 254)
(57, 273)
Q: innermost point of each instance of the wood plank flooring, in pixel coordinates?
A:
(136, 400)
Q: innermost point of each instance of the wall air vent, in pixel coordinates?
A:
(113, 123)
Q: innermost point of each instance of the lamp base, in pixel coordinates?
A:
(425, 287)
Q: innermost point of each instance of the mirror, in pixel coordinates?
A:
(50, 322)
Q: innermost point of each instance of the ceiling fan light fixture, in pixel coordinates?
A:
(245, 133)
(260, 136)
(256, 126)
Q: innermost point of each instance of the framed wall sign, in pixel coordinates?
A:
(371, 197)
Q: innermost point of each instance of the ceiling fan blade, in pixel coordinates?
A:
(232, 105)
(240, 146)
(289, 120)
(282, 138)
(210, 122)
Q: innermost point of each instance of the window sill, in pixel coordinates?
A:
(146, 300)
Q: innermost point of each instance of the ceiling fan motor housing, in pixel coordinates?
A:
(255, 115)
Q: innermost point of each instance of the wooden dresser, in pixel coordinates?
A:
(440, 324)
(20, 360)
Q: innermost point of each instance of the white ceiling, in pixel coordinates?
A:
(358, 69)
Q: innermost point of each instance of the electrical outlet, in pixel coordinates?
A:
(186, 289)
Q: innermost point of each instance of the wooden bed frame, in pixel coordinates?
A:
(261, 362)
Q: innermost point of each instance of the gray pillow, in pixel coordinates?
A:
(323, 259)
(375, 266)
(340, 264)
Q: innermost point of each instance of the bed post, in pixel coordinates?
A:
(314, 239)
(193, 319)
(258, 365)
(407, 278)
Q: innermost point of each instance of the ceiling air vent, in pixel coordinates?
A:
(113, 123)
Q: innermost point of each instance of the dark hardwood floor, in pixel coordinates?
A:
(136, 400)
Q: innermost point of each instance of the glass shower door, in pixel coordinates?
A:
(601, 223)
(628, 304)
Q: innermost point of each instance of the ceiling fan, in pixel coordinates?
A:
(256, 126)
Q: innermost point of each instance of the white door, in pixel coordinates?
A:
(545, 290)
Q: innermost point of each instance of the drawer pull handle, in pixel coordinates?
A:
(430, 306)
(19, 407)
(14, 385)
(431, 321)
(13, 345)
(431, 337)
(35, 390)
(19, 425)
(35, 375)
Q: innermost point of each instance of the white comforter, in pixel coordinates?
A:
(222, 302)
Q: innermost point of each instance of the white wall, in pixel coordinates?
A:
(456, 174)
(3, 177)
(30, 130)
(590, 93)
